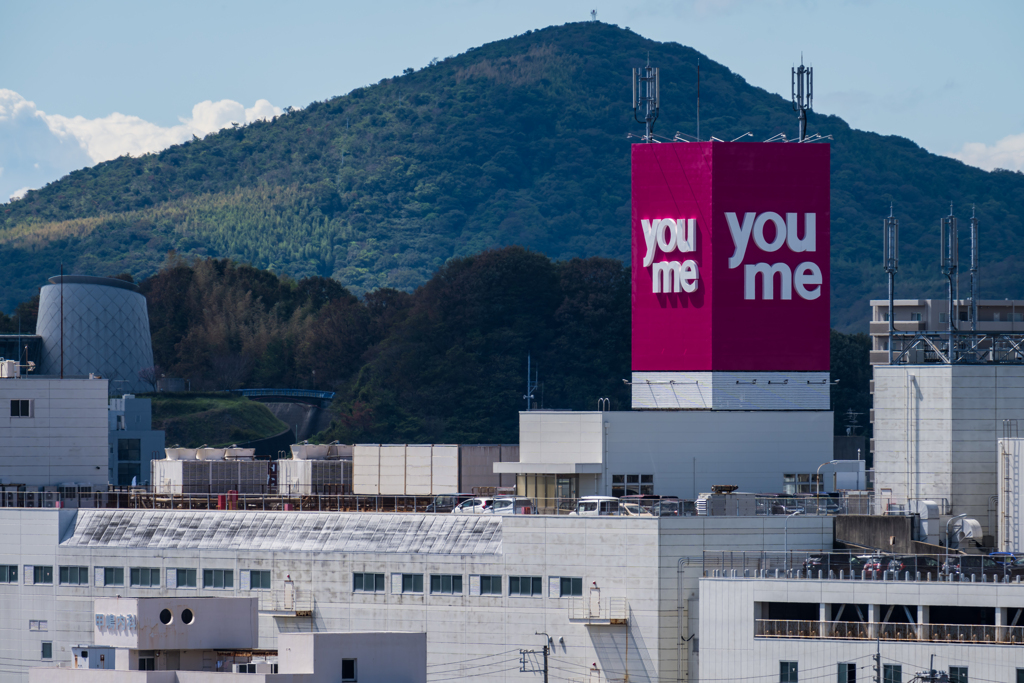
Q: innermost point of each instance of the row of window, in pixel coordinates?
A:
(139, 577)
(891, 673)
(451, 584)
(632, 485)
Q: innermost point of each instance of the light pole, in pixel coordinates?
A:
(786, 536)
(818, 477)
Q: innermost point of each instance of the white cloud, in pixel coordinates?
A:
(1007, 153)
(40, 147)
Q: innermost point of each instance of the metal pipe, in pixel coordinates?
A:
(951, 519)
(786, 534)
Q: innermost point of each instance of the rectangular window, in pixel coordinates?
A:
(47, 652)
(147, 660)
(449, 584)
(893, 673)
(490, 585)
(958, 674)
(218, 578)
(524, 585)
(570, 587)
(348, 669)
(145, 577)
(364, 582)
(8, 573)
(186, 578)
(129, 450)
(916, 317)
(74, 576)
(21, 408)
(113, 576)
(787, 672)
(259, 579)
(38, 625)
(847, 672)
(1020, 676)
(42, 575)
(412, 583)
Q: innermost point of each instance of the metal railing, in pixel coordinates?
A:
(851, 630)
(847, 565)
(918, 348)
(291, 393)
(815, 505)
(596, 610)
(285, 601)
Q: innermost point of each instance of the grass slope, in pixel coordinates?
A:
(191, 420)
(521, 141)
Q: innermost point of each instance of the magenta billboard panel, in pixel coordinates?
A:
(730, 257)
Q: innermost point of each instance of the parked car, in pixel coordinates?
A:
(473, 506)
(633, 509)
(673, 507)
(514, 505)
(593, 506)
(915, 563)
(446, 502)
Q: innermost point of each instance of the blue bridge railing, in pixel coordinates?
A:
(291, 393)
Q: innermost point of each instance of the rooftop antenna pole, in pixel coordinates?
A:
(531, 385)
(891, 258)
(948, 258)
(974, 271)
(698, 99)
(802, 83)
(62, 320)
(646, 98)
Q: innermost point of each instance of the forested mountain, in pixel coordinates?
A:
(521, 141)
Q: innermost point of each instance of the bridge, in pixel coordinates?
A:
(321, 398)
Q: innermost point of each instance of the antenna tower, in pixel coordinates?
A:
(593, 15)
(531, 385)
(974, 272)
(891, 257)
(646, 98)
(802, 81)
(948, 262)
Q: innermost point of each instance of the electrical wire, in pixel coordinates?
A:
(461, 661)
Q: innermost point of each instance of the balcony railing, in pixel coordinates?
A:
(598, 611)
(295, 602)
(849, 630)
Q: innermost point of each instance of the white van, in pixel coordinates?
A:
(593, 506)
(514, 505)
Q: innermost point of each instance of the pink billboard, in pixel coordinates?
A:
(730, 257)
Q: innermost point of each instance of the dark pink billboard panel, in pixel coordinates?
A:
(730, 257)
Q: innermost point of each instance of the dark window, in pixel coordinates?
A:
(446, 583)
(129, 450)
(259, 580)
(47, 651)
(145, 577)
(42, 575)
(847, 672)
(21, 408)
(218, 578)
(113, 576)
(1020, 676)
(364, 582)
(958, 674)
(147, 660)
(186, 578)
(893, 673)
(795, 611)
(412, 583)
(74, 576)
(524, 585)
(787, 672)
(348, 669)
(570, 587)
(490, 585)
(8, 573)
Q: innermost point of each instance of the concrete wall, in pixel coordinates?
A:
(386, 657)
(1010, 526)
(890, 533)
(936, 429)
(217, 623)
(476, 465)
(729, 651)
(63, 441)
(561, 438)
(651, 564)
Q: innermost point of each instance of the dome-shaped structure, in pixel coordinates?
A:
(106, 330)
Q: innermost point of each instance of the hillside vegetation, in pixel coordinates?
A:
(191, 420)
(521, 141)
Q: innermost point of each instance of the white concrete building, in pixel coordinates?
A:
(53, 433)
(480, 587)
(767, 629)
(134, 444)
(673, 453)
(935, 433)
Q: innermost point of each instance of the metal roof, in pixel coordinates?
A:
(318, 532)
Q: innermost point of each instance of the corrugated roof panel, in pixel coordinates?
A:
(295, 532)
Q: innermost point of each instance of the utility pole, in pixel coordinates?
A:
(545, 664)
(878, 658)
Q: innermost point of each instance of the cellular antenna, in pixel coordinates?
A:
(891, 258)
(974, 271)
(948, 262)
(698, 99)
(803, 92)
(646, 99)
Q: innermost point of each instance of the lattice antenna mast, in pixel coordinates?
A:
(891, 258)
(802, 82)
(974, 271)
(948, 263)
(646, 98)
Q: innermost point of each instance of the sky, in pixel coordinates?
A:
(84, 82)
